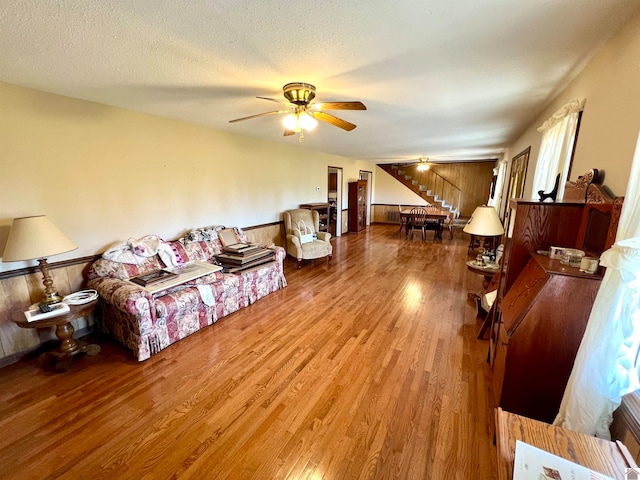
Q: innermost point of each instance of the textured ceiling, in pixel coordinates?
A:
(453, 79)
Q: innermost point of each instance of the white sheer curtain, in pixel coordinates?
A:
(558, 135)
(604, 368)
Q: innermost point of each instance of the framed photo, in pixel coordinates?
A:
(517, 176)
(228, 237)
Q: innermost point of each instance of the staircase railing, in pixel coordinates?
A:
(429, 184)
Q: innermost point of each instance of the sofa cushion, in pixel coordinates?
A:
(103, 268)
(192, 251)
(315, 249)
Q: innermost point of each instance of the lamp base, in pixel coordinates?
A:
(51, 298)
(50, 294)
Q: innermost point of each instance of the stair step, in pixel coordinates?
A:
(419, 183)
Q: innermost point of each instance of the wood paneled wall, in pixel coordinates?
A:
(18, 292)
(379, 211)
(473, 178)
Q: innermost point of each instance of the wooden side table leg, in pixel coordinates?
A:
(68, 345)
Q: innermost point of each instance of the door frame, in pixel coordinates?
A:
(339, 187)
(368, 176)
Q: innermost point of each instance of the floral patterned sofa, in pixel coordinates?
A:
(146, 323)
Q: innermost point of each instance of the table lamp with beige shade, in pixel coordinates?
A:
(33, 238)
(484, 222)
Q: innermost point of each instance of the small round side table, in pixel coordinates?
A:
(64, 330)
(487, 271)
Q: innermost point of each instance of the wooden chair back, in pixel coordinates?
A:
(418, 217)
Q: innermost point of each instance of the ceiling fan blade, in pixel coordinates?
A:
(288, 132)
(338, 122)
(288, 104)
(275, 112)
(340, 106)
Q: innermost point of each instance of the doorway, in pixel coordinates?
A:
(334, 197)
(368, 176)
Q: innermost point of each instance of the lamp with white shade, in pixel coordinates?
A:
(33, 238)
(484, 222)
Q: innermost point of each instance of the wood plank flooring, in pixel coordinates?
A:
(365, 369)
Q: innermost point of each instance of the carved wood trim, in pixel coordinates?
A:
(578, 190)
(598, 198)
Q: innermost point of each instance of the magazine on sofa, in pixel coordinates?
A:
(151, 278)
(177, 275)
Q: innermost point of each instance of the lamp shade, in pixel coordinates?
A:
(484, 222)
(35, 237)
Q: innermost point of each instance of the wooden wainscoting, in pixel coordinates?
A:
(267, 234)
(385, 213)
(19, 289)
(345, 221)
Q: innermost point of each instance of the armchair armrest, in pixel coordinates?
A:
(294, 247)
(294, 239)
(324, 236)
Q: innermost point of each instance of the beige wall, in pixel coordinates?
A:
(388, 190)
(610, 85)
(105, 174)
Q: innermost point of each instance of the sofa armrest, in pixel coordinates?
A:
(125, 296)
(281, 253)
(324, 236)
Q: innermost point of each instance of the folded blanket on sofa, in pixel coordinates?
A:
(137, 251)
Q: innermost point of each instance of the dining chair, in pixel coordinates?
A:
(403, 220)
(432, 223)
(418, 219)
(450, 223)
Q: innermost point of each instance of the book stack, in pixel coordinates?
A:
(242, 256)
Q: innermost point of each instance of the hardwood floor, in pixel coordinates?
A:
(368, 368)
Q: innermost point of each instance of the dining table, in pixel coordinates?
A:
(432, 214)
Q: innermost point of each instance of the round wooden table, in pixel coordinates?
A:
(487, 270)
(64, 330)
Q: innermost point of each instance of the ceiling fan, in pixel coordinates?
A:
(302, 114)
(422, 163)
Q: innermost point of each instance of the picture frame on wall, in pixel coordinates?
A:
(517, 176)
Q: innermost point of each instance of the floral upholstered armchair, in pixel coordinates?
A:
(304, 240)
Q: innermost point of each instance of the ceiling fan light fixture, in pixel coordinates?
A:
(307, 122)
(290, 122)
(299, 121)
(424, 164)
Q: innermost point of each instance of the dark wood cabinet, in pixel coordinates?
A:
(357, 206)
(324, 213)
(542, 306)
(544, 316)
(533, 226)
